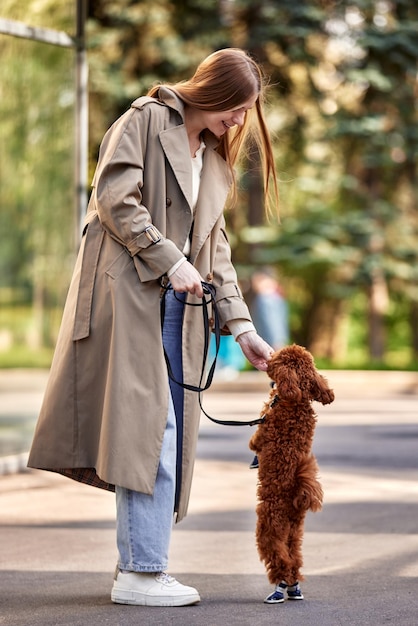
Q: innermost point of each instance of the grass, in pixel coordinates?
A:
(23, 357)
(19, 334)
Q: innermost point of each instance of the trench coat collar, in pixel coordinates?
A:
(175, 144)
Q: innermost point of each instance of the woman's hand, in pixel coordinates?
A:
(255, 349)
(187, 278)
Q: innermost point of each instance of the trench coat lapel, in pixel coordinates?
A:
(215, 181)
(176, 148)
(215, 184)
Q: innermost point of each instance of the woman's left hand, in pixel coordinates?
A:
(255, 349)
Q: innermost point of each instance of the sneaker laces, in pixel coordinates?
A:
(163, 577)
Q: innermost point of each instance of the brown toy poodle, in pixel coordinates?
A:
(288, 483)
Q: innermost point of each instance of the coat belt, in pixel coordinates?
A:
(92, 244)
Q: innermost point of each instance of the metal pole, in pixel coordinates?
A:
(45, 35)
(81, 119)
(59, 38)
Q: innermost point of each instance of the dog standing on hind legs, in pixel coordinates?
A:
(288, 484)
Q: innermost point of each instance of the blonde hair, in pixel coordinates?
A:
(222, 82)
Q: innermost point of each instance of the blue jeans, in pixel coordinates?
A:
(144, 522)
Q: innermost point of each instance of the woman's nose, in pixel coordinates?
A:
(239, 118)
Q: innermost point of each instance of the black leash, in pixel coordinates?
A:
(209, 293)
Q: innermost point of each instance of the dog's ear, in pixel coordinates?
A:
(320, 390)
(287, 384)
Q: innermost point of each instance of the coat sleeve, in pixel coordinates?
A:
(118, 184)
(229, 299)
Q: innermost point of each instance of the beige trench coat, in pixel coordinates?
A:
(105, 406)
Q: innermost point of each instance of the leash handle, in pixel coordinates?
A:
(208, 290)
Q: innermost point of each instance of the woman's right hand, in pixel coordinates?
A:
(187, 278)
(255, 349)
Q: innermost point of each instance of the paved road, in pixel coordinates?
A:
(361, 552)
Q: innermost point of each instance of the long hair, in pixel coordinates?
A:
(223, 82)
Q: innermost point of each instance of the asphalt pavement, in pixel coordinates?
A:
(57, 537)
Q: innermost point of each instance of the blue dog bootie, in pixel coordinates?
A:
(254, 463)
(294, 592)
(278, 594)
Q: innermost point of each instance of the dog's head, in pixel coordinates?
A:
(293, 370)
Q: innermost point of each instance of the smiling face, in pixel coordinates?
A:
(219, 122)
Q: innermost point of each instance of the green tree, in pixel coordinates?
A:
(36, 176)
(377, 133)
(346, 119)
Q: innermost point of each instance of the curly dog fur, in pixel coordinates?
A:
(288, 483)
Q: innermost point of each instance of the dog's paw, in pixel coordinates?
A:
(316, 505)
(327, 396)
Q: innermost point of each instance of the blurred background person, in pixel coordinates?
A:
(269, 308)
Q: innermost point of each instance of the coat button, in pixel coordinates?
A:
(209, 277)
(168, 202)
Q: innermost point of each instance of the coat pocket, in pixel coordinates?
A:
(119, 264)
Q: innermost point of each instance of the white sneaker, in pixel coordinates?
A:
(151, 589)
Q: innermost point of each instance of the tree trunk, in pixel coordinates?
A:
(378, 306)
(327, 338)
(413, 317)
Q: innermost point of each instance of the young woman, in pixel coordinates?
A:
(110, 418)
